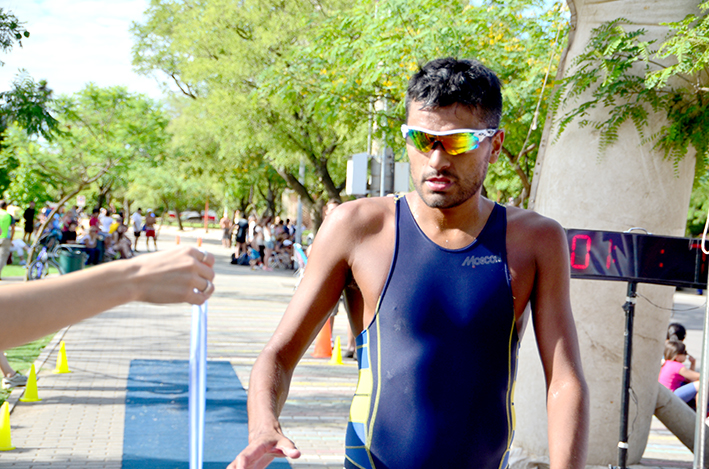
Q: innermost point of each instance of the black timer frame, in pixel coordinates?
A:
(635, 258)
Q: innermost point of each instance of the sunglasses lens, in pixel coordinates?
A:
(454, 144)
(459, 143)
(421, 140)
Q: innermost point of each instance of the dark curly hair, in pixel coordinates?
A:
(448, 81)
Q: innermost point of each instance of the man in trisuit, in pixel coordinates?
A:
(438, 281)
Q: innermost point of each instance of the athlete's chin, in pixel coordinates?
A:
(440, 200)
(444, 199)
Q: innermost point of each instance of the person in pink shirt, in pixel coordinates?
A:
(683, 381)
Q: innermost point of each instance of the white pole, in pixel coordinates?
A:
(699, 427)
(198, 384)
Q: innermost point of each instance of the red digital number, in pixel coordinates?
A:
(587, 257)
(610, 254)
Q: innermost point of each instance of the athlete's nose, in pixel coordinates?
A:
(438, 157)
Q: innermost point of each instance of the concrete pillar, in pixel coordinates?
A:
(632, 185)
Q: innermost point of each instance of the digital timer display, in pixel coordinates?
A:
(643, 258)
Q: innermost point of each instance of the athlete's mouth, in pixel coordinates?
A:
(438, 183)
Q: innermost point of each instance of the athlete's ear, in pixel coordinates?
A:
(496, 142)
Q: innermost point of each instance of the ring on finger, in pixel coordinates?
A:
(204, 256)
(209, 285)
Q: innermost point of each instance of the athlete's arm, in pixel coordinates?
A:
(567, 393)
(35, 309)
(308, 310)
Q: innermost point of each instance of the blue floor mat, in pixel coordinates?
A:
(156, 434)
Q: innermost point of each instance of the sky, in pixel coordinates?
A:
(73, 42)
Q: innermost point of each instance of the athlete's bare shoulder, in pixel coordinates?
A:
(363, 217)
(522, 223)
(532, 237)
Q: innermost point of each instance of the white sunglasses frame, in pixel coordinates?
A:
(480, 133)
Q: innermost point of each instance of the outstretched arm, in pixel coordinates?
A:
(169, 276)
(567, 394)
(312, 302)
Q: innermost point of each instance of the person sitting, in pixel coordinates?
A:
(91, 241)
(19, 251)
(69, 232)
(121, 243)
(683, 381)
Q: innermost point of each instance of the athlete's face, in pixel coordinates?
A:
(443, 180)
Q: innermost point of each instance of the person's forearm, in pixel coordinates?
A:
(31, 310)
(34, 309)
(568, 416)
(268, 390)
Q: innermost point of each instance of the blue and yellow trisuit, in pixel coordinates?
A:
(437, 364)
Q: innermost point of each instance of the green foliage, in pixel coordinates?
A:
(11, 31)
(284, 81)
(103, 132)
(623, 75)
(26, 104)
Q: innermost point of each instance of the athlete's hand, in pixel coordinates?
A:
(263, 449)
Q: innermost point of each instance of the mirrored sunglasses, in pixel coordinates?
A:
(454, 142)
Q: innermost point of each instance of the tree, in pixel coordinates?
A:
(103, 131)
(26, 103)
(632, 185)
(374, 47)
(308, 91)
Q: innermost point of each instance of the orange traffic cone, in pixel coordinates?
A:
(323, 342)
(177, 239)
(199, 242)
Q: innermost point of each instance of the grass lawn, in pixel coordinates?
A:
(21, 358)
(19, 271)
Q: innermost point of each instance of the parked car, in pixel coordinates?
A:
(194, 216)
(190, 215)
(211, 215)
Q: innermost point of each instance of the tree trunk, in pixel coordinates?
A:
(632, 185)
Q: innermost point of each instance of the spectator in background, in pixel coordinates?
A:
(682, 381)
(150, 231)
(676, 331)
(7, 231)
(137, 219)
(14, 210)
(121, 242)
(28, 216)
(241, 229)
(19, 251)
(91, 241)
(226, 226)
(10, 377)
(94, 220)
(69, 232)
(73, 212)
(105, 220)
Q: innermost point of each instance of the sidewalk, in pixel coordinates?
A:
(80, 421)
